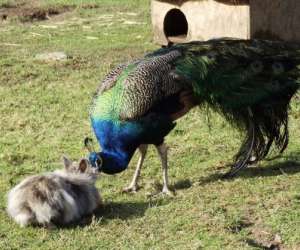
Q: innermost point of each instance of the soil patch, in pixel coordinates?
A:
(29, 11)
(261, 237)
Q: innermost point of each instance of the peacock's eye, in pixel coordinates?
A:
(99, 162)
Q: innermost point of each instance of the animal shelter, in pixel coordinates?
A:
(188, 20)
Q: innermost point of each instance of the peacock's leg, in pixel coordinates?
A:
(133, 187)
(163, 154)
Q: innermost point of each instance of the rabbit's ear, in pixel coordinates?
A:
(83, 164)
(67, 162)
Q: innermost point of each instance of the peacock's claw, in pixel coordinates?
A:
(168, 192)
(130, 189)
(165, 192)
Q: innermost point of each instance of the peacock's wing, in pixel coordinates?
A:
(150, 81)
(133, 89)
(111, 78)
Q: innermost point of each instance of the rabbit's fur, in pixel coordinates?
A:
(57, 198)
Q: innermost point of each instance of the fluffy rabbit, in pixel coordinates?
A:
(57, 198)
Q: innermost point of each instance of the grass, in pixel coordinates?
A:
(44, 114)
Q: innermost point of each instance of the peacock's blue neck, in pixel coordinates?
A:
(120, 139)
(117, 142)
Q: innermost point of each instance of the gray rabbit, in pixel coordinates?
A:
(57, 198)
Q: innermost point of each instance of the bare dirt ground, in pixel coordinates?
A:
(33, 10)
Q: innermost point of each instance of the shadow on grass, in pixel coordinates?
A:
(113, 210)
(123, 210)
(290, 166)
(258, 245)
(182, 184)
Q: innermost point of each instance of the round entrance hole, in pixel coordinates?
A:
(175, 26)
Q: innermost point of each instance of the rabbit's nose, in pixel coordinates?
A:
(95, 171)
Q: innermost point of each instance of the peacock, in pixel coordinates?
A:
(249, 82)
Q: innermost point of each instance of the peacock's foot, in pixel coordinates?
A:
(167, 191)
(130, 189)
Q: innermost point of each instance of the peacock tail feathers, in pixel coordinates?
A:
(251, 85)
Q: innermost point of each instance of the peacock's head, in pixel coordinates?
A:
(95, 158)
(96, 161)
